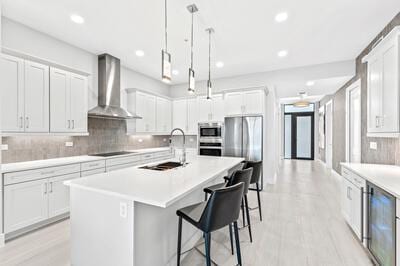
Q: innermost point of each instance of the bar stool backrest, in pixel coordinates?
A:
(222, 208)
(257, 166)
(241, 176)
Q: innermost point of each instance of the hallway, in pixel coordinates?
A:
(302, 226)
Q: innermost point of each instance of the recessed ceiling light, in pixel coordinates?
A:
(77, 19)
(281, 17)
(219, 64)
(310, 83)
(283, 53)
(139, 53)
(175, 72)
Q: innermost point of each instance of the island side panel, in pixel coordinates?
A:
(101, 232)
(156, 230)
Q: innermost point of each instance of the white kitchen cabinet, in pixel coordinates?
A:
(185, 115)
(164, 115)
(58, 194)
(12, 93)
(25, 204)
(211, 110)
(145, 106)
(36, 97)
(346, 201)
(244, 103)
(68, 101)
(383, 79)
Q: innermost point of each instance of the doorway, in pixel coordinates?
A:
(328, 127)
(353, 123)
(299, 132)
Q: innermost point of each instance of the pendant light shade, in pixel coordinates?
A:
(302, 102)
(209, 85)
(165, 56)
(192, 9)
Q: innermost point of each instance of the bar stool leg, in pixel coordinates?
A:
(178, 254)
(238, 254)
(248, 217)
(259, 200)
(243, 218)
(231, 237)
(208, 248)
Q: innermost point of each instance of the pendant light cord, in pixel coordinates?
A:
(166, 25)
(209, 55)
(191, 46)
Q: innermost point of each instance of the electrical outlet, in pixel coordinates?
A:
(373, 145)
(4, 147)
(69, 144)
(123, 209)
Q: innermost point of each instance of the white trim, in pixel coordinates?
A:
(356, 84)
(44, 61)
(327, 149)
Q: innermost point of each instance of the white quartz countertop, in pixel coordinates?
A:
(157, 188)
(386, 177)
(30, 165)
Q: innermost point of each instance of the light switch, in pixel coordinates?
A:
(373, 145)
(4, 147)
(69, 144)
(123, 209)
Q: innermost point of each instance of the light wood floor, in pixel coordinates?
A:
(302, 226)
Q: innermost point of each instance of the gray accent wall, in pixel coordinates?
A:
(388, 148)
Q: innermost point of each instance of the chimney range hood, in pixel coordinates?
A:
(109, 93)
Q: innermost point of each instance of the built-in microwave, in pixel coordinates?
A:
(210, 130)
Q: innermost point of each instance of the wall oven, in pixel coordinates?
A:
(211, 140)
(381, 226)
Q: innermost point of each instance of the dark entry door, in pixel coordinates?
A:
(302, 137)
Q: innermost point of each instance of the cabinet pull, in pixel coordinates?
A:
(45, 188)
(377, 121)
(69, 123)
(73, 124)
(27, 122)
(21, 122)
(350, 193)
(51, 187)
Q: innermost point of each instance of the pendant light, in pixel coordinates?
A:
(192, 9)
(209, 86)
(165, 56)
(302, 102)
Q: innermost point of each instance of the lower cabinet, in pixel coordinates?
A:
(32, 202)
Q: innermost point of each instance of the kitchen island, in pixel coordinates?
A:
(128, 217)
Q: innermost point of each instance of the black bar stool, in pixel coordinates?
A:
(222, 209)
(255, 178)
(238, 177)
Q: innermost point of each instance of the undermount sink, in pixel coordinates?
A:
(162, 166)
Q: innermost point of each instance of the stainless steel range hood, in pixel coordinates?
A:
(109, 94)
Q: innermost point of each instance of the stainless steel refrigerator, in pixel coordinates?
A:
(244, 138)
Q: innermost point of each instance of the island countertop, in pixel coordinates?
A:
(157, 188)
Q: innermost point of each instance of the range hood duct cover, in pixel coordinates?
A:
(109, 94)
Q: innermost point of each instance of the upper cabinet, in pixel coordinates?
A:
(38, 99)
(383, 78)
(185, 115)
(211, 110)
(68, 101)
(24, 96)
(244, 103)
(155, 111)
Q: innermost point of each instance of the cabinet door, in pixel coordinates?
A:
(204, 109)
(59, 194)
(25, 204)
(390, 88)
(151, 113)
(163, 117)
(374, 94)
(233, 103)
(192, 116)
(36, 97)
(179, 114)
(253, 102)
(60, 120)
(79, 103)
(141, 110)
(356, 210)
(217, 108)
(168, 116)
(12, 93)
(346, 200)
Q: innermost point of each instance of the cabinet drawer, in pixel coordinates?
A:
(162, 154)
(123, 160)
(23, 176)
(148, 156)
(93, 172)
(353, 178)
(121, 166)
(93, 165)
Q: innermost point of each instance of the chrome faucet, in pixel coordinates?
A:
(183, 158)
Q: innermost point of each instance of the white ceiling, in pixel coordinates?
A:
(247, 38)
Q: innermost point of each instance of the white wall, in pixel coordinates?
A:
(271, 137)
(19, 37)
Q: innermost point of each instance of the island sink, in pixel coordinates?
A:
(162, 166)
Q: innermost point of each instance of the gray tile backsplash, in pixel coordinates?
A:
(104, 136)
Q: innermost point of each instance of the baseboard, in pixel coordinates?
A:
(336, 174)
